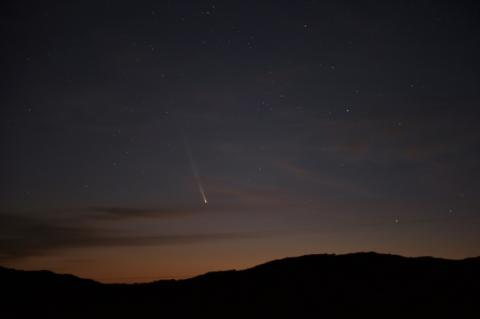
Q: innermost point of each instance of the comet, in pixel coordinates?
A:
(196, 175)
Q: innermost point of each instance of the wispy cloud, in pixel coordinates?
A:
(22, 236)
(121, 213)
(320, 179)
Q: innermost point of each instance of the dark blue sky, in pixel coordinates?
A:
(314, 126)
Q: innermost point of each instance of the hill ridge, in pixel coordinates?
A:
(322, 285)
(371, 254)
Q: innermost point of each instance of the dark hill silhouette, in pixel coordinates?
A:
(313, 286)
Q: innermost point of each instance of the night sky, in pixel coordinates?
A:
(143, 140)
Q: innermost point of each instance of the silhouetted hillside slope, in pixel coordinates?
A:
(319, 286)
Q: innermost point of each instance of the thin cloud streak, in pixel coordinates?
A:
(121, 213)
(22, 236)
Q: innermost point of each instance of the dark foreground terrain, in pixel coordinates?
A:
(363, 285)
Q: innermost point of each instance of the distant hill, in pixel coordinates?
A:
(366, 285)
